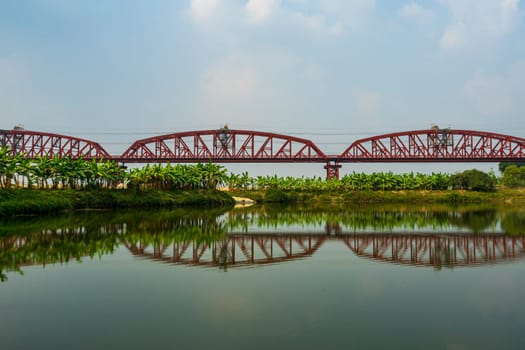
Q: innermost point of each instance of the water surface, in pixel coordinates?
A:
(279, 277)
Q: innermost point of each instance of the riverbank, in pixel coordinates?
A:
(34, 201)
(500, 196)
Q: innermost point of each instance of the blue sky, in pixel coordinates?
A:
(329, 70)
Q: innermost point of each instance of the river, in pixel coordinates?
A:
(280, 277)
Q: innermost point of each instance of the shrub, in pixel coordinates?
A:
(514, 176)
(474, 180)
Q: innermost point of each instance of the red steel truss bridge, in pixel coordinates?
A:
(247, 146)
(238, 250)
(416, 249)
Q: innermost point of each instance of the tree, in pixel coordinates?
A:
(503, 166)
(474, 180)
(514, 176)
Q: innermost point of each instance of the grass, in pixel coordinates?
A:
(501, 196)
(33, 201)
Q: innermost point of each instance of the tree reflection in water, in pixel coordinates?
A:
(437, 237)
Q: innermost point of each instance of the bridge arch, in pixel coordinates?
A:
(436, 145)
(232, 251)
(34, 144)
(449, 250)
(223, 145)
(414, 249)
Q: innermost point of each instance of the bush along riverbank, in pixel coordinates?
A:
(470, 186)
(35, 201)
(499, 196)
(48, 185)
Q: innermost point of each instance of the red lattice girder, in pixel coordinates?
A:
(435, 145)
(452, 249)
(34, 144)
(223, 146)
(233, 251)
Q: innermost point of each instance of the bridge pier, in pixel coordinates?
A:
(332, 170)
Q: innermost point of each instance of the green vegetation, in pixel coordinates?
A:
(92, 234)
(49, 185)
(503, 166)
(514, 176)
(64, 240)
(17, 171)
(80, 184)
(34, 201)
(470, 186)
(473, 180)
(510, 197)
(382, 217)
(382, 181)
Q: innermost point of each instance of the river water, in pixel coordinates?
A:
(279, 277)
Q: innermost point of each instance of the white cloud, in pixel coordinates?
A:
(416, 12)
(233, 78)
(202, 10)
(352, 13)
(489, 95)
(260, 10)
(315, 24)
(313, 72)
(454, 36)
(314, 17)
(336, 28)
(474, 21)
(367, 102)
(333, 17)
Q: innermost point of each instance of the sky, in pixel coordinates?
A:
(332, 71)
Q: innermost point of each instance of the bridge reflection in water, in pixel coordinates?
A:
(436, 238)
(434, 250)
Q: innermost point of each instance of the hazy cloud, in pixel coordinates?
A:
(416, 12)
(316, 24)
(351, 13)
(260, 10)
(454, 36)
(202, 9)
(324, 17)
(474, 21)
(489, 95)
(516, 78)
(233, 78)
(313, 72)
(367, 102)
(12, 91)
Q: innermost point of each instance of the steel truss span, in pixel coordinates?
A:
(223, 145)
(451, 249)
(437, 250)
(247, 146)
(241, 250)
(40, 144)
(233, 251)
(436, 145)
